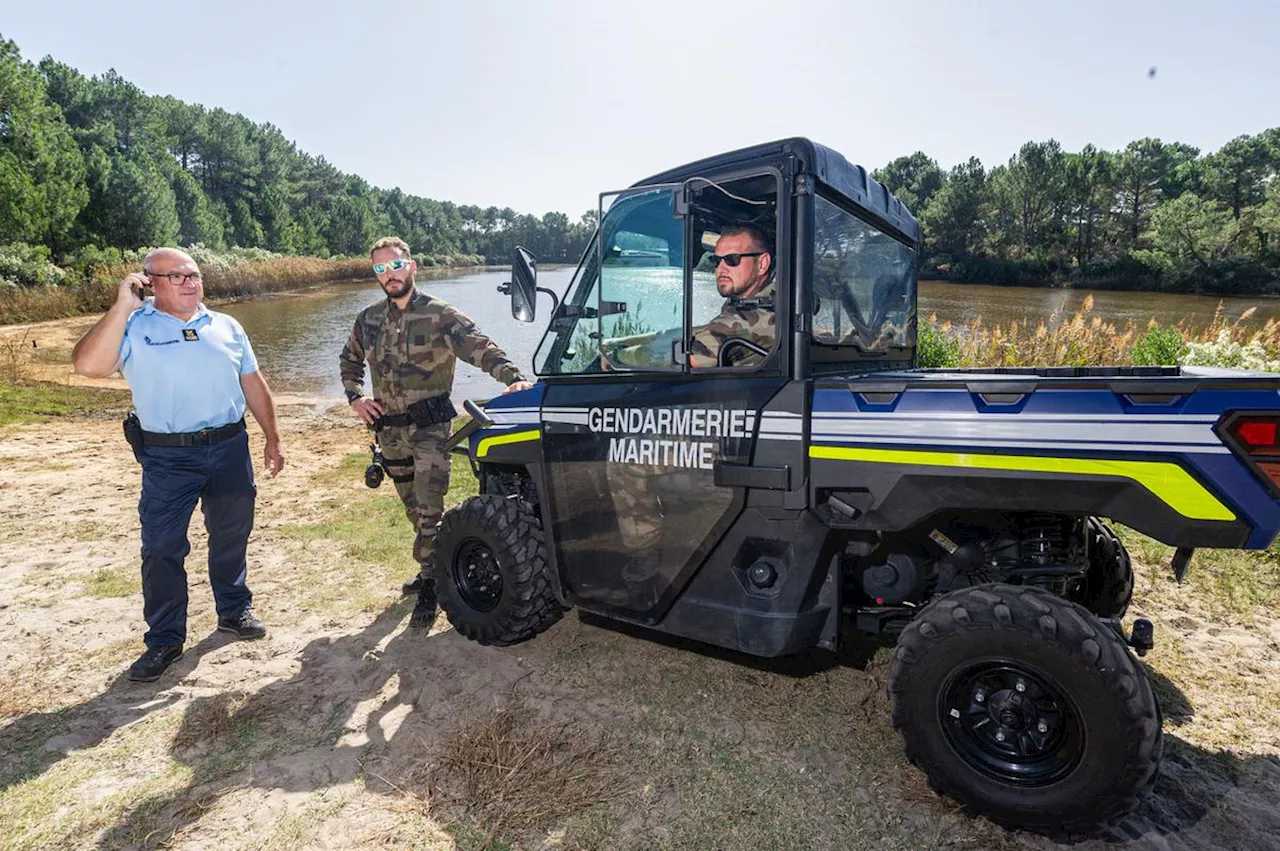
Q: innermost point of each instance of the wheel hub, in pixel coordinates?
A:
(477, 575)
(1011, 713)
(1010, 722)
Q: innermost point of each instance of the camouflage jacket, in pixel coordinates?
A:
(753, 323)
(412, 352)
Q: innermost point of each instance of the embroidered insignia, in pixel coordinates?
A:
(190, 334)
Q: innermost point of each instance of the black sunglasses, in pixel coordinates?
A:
(733, 259)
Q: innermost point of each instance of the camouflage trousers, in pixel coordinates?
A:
(419, 466)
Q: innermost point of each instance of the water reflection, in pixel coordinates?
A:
(298, 337)
(963, 303)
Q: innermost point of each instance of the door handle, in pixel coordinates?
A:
(729, 475)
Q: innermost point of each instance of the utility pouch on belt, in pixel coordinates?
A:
(133, 435)
(433, 411)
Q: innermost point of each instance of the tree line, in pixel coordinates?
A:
(91, 167)
(1156, 215)
(93, 164)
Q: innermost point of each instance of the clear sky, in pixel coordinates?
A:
(541, 104)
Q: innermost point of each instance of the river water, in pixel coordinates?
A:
(298, 337)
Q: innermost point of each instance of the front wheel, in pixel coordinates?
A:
(491, 571)
(1023, 707)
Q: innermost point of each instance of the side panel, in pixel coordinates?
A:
(1160, 468)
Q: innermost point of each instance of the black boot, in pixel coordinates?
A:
(424, 613)
(243, 626)
(153, 662)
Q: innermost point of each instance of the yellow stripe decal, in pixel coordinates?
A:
(1168, 481)
(503, 439)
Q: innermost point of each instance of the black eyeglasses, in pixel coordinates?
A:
(177, 279)
(733, 259)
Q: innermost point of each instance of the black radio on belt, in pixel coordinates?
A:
(133, 434)
(432, 411)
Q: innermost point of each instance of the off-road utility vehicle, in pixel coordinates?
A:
(794, 493)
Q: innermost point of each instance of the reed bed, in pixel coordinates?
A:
(1086, 339)
(224, 277)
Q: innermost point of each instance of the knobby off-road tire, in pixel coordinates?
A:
(1024, 708)
(491, 571)
(1110, 584)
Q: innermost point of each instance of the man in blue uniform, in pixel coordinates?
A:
(192, 372)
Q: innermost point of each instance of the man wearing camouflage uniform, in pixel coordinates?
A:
(744, 275)
(412, 342)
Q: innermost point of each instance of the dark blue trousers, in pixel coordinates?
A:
(173, 479)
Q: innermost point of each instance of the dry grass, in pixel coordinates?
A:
(15, 360)
(511, 772)
(26, 692)
(1085, 339)
(227, 278)
(211, 721)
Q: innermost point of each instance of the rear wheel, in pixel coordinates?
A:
(1110, 584)
(491, 571)
(1023, 707)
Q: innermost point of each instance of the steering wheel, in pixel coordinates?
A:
(730, 343)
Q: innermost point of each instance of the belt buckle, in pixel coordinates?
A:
(203, 437)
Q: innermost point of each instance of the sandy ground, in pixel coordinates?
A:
(336, 730)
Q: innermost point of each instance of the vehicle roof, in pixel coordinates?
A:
(827, 165)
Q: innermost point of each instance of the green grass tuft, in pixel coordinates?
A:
(33, 401)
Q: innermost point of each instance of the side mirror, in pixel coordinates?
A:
(524, 285)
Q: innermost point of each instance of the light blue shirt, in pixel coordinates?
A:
(185, 376)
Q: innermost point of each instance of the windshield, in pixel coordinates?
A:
(625, 307)
(566, 347)
(649, 295)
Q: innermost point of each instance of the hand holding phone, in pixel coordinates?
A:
(133, 288)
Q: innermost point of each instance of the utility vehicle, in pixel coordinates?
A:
(797, 493)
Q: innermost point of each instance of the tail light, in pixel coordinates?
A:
(1256, 439)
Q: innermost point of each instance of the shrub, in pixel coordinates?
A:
(21, 263)
(936, 348)
(1226, 351)
(1158, 347)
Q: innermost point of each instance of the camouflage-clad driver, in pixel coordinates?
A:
(744, 275)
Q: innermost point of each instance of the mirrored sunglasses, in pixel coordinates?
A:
(394, 266)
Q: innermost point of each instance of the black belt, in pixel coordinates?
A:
(393, 421)
(203, 437)
(431, 411)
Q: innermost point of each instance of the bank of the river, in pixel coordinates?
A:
(1237, 276)
(227, 275)
(221, 280)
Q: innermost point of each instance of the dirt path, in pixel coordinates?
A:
(342, 729)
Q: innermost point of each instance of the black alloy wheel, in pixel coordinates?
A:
(1008, 721)
(1025, 708)
(491, 571)
(477, 575)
